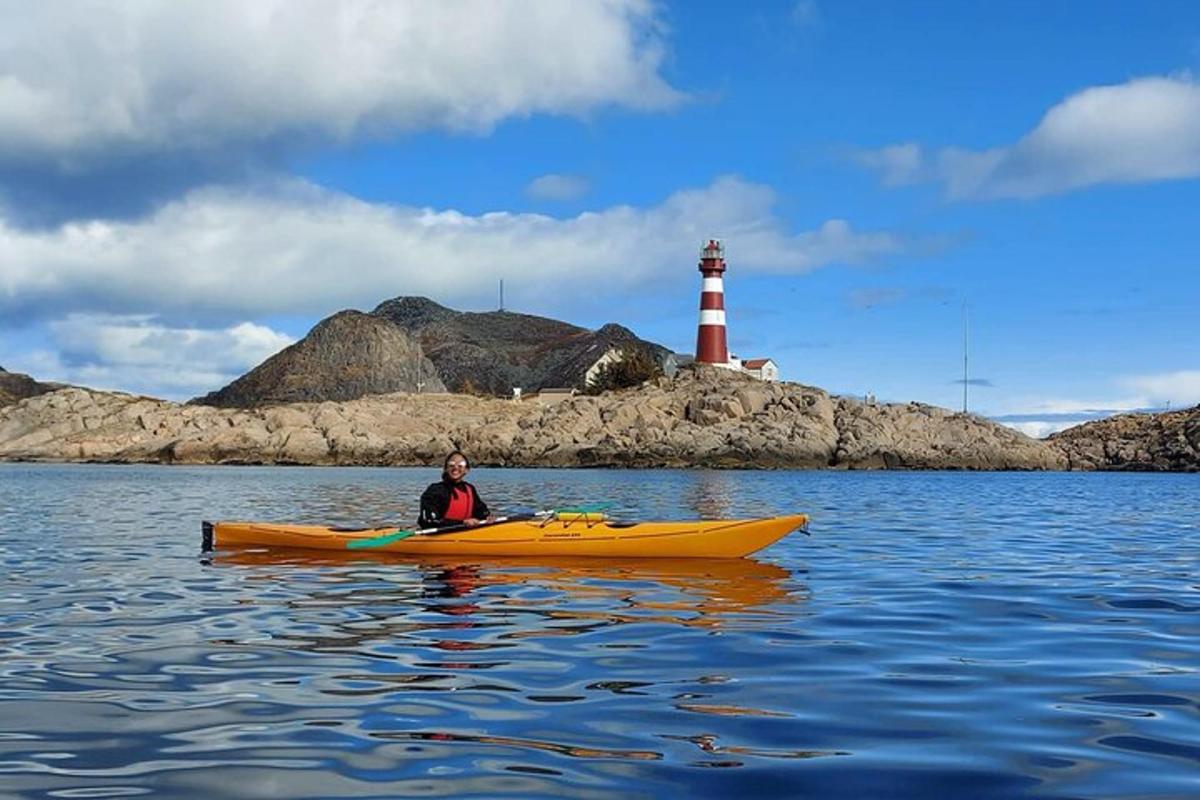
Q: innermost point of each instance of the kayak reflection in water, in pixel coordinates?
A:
(452, 501)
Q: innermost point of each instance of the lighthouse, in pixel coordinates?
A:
(711, 347)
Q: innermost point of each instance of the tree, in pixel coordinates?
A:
(631, 366)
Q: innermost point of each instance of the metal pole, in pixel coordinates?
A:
(964, 358)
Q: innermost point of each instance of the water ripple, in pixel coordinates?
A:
(966, 635)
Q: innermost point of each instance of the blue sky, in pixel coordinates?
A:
(187, 187)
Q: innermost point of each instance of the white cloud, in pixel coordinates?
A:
(557, 187)
(1040, 417)
(1041, 429)
(297, 249)
(1179, 389)
(139, 354)
(1143, 130)
(81, 78)
(899, 164)
(1063, 406)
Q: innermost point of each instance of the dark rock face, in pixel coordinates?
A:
(351, 355)
(413, 313)
(15, 387)
(1166, 442)
(492, 352)
(344, 357)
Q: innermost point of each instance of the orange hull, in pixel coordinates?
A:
(566, 537)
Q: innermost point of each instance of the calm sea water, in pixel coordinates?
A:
(939, 635)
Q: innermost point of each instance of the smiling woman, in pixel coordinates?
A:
(452, 501)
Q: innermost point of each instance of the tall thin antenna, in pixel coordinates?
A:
(964, 313)
(502, 294)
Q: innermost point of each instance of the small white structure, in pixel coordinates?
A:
(516, 394)
(762, 368)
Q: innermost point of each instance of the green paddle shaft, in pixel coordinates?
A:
(396, 536)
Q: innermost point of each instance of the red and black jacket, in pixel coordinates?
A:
(449, 502)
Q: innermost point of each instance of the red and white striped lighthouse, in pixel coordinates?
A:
(711, 347)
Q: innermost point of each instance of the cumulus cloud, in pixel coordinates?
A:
(143, 355)
(1040, 429)
(82, 80)
(296, 249)
(1041, 423)
(1143, 130)
(1040, 417)
(557, 187)
(1178, 389)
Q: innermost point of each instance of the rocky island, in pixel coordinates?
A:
(411, 380)
(701, 417)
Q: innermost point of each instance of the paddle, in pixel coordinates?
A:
(388, 538)
(396, 536)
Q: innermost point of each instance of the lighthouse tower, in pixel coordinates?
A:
(711, 347)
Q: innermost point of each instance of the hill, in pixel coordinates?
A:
(343, 357)
(351, 355)
(15, 387)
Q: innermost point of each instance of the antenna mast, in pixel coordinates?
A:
(964, 358)
(502, 294)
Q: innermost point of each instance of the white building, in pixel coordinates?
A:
(762, 368)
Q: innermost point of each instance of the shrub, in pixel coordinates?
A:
(632, 366)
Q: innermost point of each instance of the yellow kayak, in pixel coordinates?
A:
(590, 535)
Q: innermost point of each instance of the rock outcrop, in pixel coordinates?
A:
(493, 351)
(702, 417)
(351, 355)
(15, 386)
(346, 356)
(1165, 442)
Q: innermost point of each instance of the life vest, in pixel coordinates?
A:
(462, 503)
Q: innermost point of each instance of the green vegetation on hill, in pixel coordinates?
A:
(632, 366)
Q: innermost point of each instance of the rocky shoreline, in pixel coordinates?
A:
(701, 417)
(1167, 441)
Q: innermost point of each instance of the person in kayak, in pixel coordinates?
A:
(452, 501)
